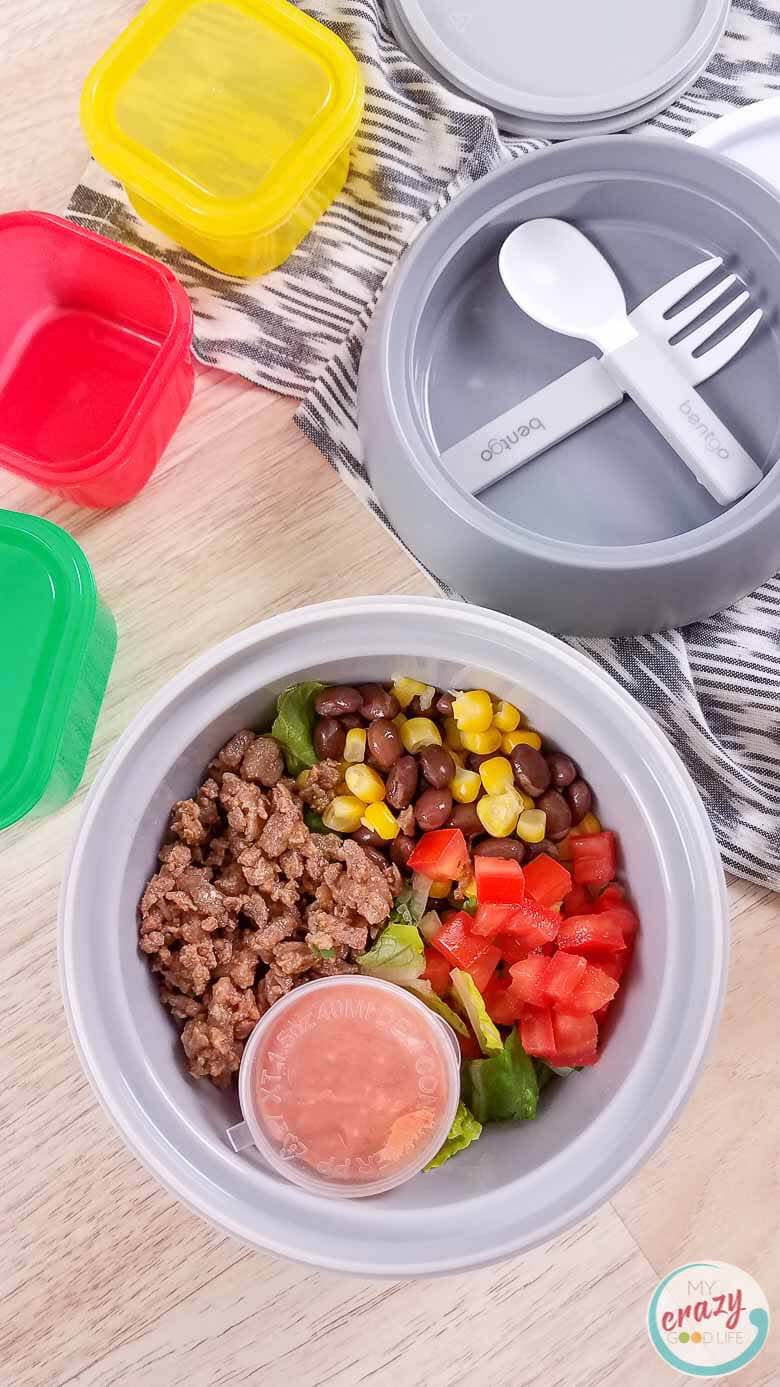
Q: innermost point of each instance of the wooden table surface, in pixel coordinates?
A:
(105, 1280)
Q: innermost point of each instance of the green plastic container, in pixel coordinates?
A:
(57, 641)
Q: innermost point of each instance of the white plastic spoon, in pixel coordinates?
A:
(559, 278)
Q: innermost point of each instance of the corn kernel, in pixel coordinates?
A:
(482, 743)
(532, 825)
(301, 780)
(399, 720)
(506, 717)
(440, 890)
(586, 826)
(498, 814)
(379, 819)
(469, 888)
(525, 800)
(419, 732)
(465, 786)
(355, 745)
(426, 697)
(473, 711)
(407, 689)
(452, 735)
(497, 775)
(343, 814)
(525, 738)
(458, 757)
(366, 783)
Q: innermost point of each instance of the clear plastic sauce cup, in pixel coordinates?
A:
(348, 1086)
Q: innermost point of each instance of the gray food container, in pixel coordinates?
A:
(607, 533)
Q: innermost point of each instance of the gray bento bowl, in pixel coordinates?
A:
(607, 533)
(521, 1184)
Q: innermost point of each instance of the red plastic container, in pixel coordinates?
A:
(95, 364)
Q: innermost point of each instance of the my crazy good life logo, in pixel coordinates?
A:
(708, 1319)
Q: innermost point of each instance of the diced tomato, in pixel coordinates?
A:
(492, 919)
(437, 971)
(578, 902)
(576, 1038)
(594, 990)
(595, 859)
(612, 895)
(511, 949)
(502, 1004)
(591, 935)
(626, 920)
(528, 981)
(562, 978)
(533, 924)
(537, 1033)
(463, 949)
(500, 880)
(483, 967)
(469, 1047)
(545, 879)
(441, 855)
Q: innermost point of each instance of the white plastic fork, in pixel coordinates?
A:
(587, 392)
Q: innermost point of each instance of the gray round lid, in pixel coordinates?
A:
(567, 60)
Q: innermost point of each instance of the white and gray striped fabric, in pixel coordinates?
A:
(714, 687)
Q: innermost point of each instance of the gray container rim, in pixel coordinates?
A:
(417, 274)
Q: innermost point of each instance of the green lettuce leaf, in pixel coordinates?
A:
(468, 995)
(469, 905)
(401, 914)
(294, 725)
(463, 1131)
(313, 821)
(397, 955)
(503, 1088)
(430, 925)
(422, 989)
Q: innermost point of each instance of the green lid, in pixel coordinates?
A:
(48, 604)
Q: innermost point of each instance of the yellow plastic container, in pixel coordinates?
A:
(229, 123)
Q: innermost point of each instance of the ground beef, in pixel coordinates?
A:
(247, 902)
(321, 785)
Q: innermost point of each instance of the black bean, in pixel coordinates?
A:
(532, 772)
(474, 759)
(402, 783)
(384, 743)
(546, 846)
(329, 739)
(342, 698)
(375, 855)
(443, 705)
(562, 769)
(580, 797)
(433, 809)
(501, 847)
(401, 849)
(350, 720)
(367, 838)
(378, 702)
(558, 814)
(466, 818)
(437, 766)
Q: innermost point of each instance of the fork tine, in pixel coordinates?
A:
(702, 334)
(678, 322)
(719, 356)
(670, 294)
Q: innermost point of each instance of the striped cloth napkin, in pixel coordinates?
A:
(713, 686)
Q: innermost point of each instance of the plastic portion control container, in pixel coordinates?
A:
(229, 123)
(95, 364)
(58, 642)
(348, 1087)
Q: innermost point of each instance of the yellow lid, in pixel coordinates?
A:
(222, 112)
